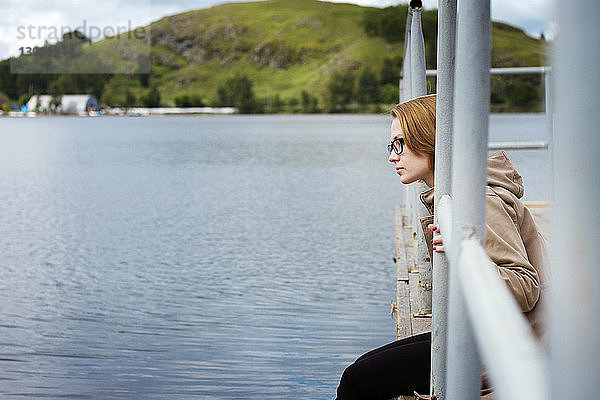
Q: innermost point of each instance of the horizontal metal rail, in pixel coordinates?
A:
(535, 145)
(520, 70)
(515, 361)
(539, 145)
(505, 340)
(506, 71)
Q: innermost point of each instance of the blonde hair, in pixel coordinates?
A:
(417, 120)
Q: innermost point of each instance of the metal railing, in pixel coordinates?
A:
(546, 71)
(475, 318)
(537, 145)
(434, 299)
(443, 154)
(506, 71)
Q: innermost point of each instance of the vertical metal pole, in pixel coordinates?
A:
(405, 94)
(575, 297)
(419, 88)
(549, 106)
(417, 52)
(410, 189)
(443, 163)
(469, 162)
(405, 83)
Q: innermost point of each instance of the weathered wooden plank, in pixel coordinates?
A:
(403, 324)
(410, 246)
(398, 212)
(419, 324)
(403, 313)
(406, 288)
(401, 256)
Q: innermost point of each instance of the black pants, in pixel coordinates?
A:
(398, 368)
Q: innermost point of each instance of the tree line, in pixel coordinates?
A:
(344, 90)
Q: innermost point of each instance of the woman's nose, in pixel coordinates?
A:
(393, 157)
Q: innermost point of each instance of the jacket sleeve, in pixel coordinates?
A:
(504, 246)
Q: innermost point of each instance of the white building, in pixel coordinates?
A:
(70, 103)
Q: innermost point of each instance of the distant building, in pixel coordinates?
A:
(70, 103)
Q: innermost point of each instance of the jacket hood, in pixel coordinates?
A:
(501, 172)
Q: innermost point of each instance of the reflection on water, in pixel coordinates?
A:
(197, 257)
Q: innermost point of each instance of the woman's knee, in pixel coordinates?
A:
(346, 388)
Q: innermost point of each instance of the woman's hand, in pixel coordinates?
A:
(438, 245)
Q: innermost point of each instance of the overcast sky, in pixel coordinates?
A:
(534, 16)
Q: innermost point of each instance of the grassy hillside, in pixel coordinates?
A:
(286, 46)
(511, 47)
(283, 46)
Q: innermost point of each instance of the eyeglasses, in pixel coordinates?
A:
(397, 145)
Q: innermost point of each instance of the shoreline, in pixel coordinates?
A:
(196, 111)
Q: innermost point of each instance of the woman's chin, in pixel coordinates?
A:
(406, 179)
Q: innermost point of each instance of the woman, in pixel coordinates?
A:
(512, 242)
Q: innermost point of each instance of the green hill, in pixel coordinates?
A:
(286, 47)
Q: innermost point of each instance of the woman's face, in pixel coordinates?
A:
(409, 165)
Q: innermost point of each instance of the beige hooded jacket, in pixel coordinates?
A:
(512, 240)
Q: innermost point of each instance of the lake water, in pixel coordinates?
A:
(209, 257)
